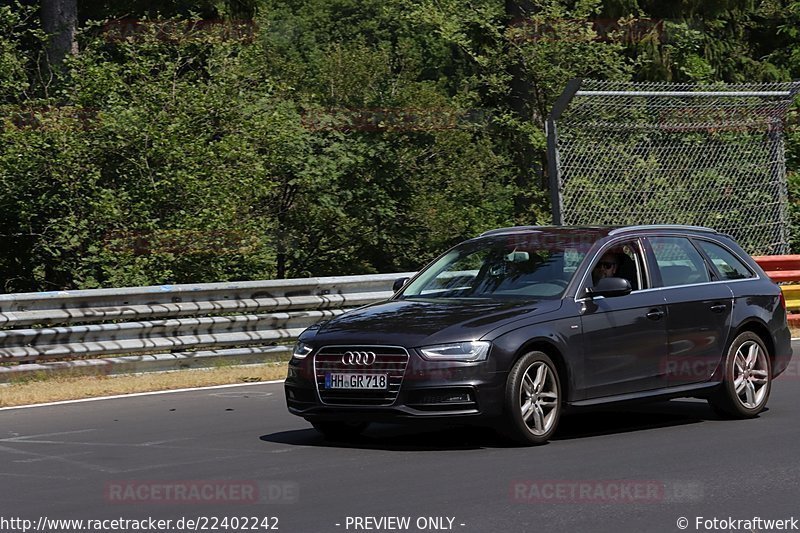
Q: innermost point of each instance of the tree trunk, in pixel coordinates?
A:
(520, 100)
(240, 10)
(60, 22)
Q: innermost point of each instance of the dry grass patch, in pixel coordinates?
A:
(56, 388)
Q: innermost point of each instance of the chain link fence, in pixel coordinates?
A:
(663, 153)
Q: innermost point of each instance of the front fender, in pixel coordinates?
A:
(558, 338)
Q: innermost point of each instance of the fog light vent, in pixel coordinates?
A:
(443, 399)
(447, 397)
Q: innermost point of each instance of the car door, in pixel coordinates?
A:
(624, 337)
(698, 310)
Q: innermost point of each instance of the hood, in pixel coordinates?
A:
(413, 323)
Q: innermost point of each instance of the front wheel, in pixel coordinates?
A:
(532, 400)
(747, 378)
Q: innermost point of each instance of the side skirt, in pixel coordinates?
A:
(698, 390)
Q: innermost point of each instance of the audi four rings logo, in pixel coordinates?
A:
(358, 358)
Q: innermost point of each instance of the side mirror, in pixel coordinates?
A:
(610, 287)
(399, 283)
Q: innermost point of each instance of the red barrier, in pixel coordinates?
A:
(778, 262)
(782, 269)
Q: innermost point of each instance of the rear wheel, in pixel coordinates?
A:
(747, 378)
(339, 430)
(532, 400)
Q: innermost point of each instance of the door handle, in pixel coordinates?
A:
(655, 314)
(719, 308)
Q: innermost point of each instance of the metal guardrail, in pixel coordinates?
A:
(137, 329)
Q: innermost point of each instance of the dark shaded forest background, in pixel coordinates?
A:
(177, 142)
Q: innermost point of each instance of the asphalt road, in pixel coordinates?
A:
(236, 454)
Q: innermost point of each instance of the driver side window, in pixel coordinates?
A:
(623, 260)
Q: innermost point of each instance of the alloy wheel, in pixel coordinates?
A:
(750, 374)
(538, 397)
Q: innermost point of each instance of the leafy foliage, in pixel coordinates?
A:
(246, 139)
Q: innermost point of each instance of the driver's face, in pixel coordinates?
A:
(606, 267)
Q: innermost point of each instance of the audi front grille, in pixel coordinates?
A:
(363, 360)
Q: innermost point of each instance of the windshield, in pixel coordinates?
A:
(517, 266)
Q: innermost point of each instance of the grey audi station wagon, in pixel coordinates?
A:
(514, 327)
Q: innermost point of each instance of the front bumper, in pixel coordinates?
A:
(426, 389)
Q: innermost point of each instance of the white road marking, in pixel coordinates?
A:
(179, 463)
(138, 394)
(258, 394)
(59, 459)
(27, 437)
(33, 476)
(40, 459)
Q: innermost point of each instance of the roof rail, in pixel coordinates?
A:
(511, 229)
(682, 227)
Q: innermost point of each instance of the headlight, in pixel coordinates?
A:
(301, 350)
(458, 351)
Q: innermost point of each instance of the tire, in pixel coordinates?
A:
(747, 378)
(339, 430)
(532, 400)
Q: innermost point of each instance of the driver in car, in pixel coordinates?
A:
(606, 267)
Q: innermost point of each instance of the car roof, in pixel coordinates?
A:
(663, 227)
(600, 231)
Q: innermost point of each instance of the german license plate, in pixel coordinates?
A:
(356, 381)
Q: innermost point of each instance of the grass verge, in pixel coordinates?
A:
(58, 388)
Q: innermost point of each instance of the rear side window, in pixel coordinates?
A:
(678, 261)
(728, 265)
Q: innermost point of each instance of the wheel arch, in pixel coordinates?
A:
(759, 328)
(554, 353)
